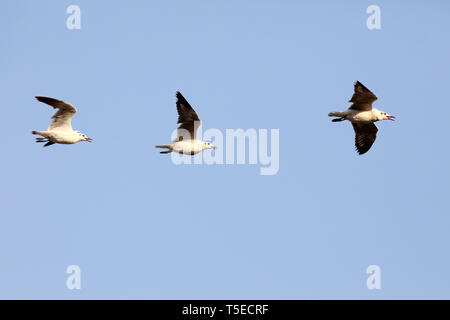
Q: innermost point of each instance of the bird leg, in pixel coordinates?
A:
(49, 143)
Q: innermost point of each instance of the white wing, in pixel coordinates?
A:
(62, 119)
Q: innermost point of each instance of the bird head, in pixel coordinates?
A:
(207, 145)
(381, 115)
(83, 137)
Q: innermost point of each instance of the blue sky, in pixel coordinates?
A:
(141, 227)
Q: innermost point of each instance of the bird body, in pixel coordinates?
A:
(186, 142)
(60, 129)
(62, 137)
(362, 116)
(189, 147)
(359, 116)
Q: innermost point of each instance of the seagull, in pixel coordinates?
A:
(186, 142)
(60, 129)
(362, 116)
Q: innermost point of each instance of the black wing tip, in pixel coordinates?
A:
(45, 99)
(181, 99)
(179, 96)
(359, 84)
(362, 149)
(361, 152)
(50, 101)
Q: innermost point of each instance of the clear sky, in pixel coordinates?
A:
(141, 227)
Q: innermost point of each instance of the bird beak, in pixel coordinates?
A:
(88, 139)
(392, 118)
(213, 147)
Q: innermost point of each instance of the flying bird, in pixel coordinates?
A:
(186, 141)
(60, 129)
(362, 116)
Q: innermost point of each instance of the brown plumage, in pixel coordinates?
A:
(365, 135)
(362, 98)
(362, 116)
(187, 117)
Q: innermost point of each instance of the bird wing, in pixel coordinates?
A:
(365, 135)
(63, 117)
(362, 98)
(187, 117)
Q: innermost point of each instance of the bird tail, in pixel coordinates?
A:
(336, 114)
(41, 133)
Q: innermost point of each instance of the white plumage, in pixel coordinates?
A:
(362, 116)
(186, 142)
(60, 129)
